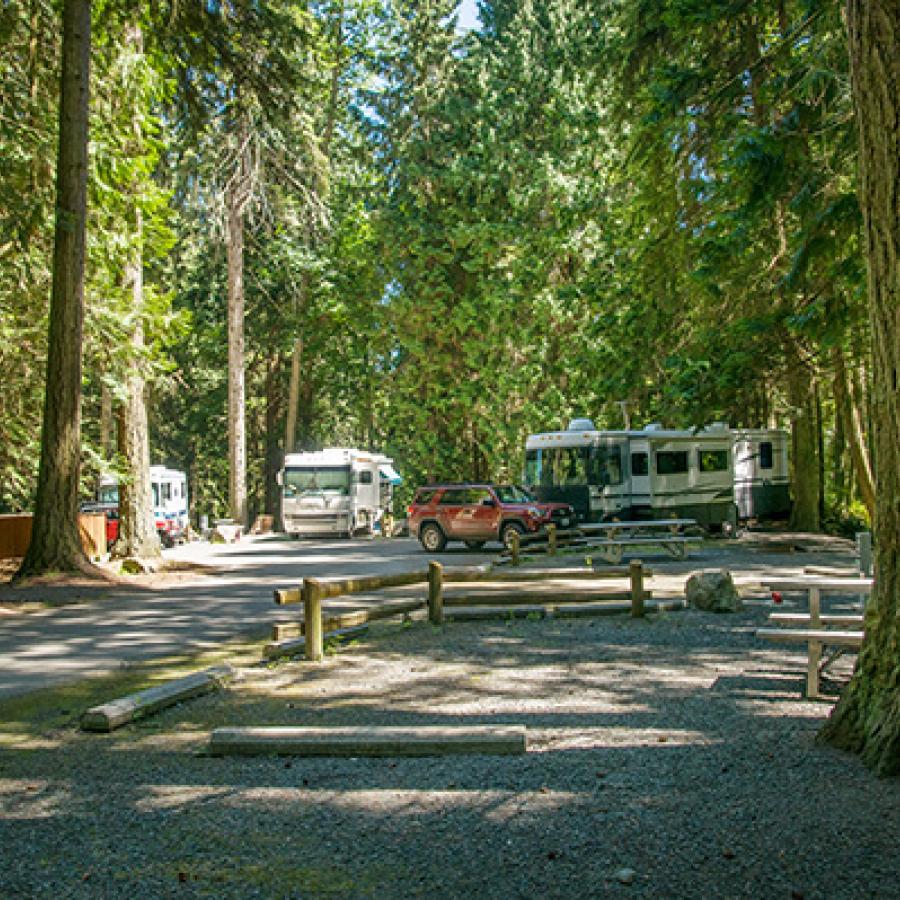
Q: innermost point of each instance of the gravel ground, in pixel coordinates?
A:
(669, 757)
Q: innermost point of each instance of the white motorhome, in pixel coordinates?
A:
(170, 503)
(652, 473)
(761, 475)
(338, 490)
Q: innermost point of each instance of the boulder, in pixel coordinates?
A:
(713, 590)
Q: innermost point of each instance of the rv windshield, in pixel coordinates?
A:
(109, 493)
(316, 479)
(561, 466)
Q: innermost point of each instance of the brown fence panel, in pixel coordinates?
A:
(15, 534)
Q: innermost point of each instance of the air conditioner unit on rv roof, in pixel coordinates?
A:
(580, 425)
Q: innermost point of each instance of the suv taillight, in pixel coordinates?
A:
(409, 510)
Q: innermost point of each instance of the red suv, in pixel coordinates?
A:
(477, 513)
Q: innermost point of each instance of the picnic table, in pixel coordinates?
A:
(817, 630)
(613, 538)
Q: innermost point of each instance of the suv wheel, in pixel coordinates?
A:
(432, 537)
(506, 531)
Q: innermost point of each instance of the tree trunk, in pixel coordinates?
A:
(237, 436)
(274, 454)
(853, 429)
(137, 528)
(866, 719)
(55, 541)
(290, 428)
(804, 449)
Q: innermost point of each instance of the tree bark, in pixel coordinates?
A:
(866, 719)
(237, 429)
(290, 428)
(55, 541)
(854, 431)
(804, 447)
(274, 455)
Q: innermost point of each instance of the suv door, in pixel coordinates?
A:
(483, 519)
(452, 512)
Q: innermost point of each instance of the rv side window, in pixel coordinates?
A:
(671, 462)
(365, 477)
(765, 455)
(712, 460)
(639, 464)
(608, 465)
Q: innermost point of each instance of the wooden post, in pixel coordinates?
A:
(435, 593)
(514, 547)
(312, 616)
(636, 573)
(551, 538)
(864, 549)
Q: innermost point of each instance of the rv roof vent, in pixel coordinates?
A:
(654, 426)
(581, 425)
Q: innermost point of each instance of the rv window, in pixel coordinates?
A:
(766, 460)
(712, 460)
(315, 479)
(533, 470)
(365, 477)
(607, 465)
(639, 464)
(155, 494)
(671, 462)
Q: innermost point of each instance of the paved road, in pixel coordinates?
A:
(127, 625)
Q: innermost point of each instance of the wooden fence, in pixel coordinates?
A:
(315, 590)
(15, 534)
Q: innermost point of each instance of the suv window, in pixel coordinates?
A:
(425, 495)
(454, 496)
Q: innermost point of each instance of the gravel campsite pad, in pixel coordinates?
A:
(668, 757)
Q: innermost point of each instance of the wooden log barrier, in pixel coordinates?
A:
(551, 539)
(514, 547)
(136, 706)
(312, 616)
(435, 593)
(422, 740)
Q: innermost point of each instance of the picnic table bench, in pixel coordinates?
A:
(838, 631)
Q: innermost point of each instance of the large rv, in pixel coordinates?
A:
(339, 490)
(761, 476)
(654, 473)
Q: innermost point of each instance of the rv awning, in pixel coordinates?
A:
(388, 473)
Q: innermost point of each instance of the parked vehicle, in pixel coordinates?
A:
(654, 473)
(761, 478)
(170, 509)
(478, 513)
(170, 504)
(339, 490)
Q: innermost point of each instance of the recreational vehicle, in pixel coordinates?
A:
(761, 477)
(339, 490)
(653, 473)
(170, 504)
